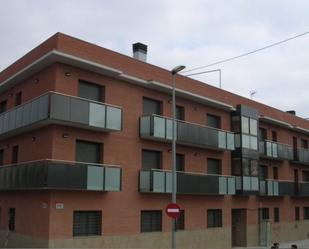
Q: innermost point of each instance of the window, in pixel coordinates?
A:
(275, 173)
(151, 221)
(276, 215)
(306, 213)
(91, 91)
(180, 113)
(250, 167)
(245, 125)
(18, 99)
(274, 136)
(180, 223)
(15, 154)
(263, 172)
(262, 134)
(297, 215)
(213, 121)
(213, 166)
(1, 157)
(3, 105)
(87, 223)
(214, 218)
(253, 127)
(151, 159)
(180, 162)
(11, 219)
(263, 214)
(305, 176)
(304, 143)
(88, 152)
(151, 106)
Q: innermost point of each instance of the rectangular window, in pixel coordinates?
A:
(151, 159)
(263, 172)
(263, 214)
(151, 106)
(262, 134)
(245, 125)
(274, 136)
(213, 166)
(297, 213)
(180, 225)
(180, 113)
(253, 127)
(151, 221)
(213, 121)
(88, 152)
(15, 154)
(3, 106)
(275, 173)
(18, 97)
(304, 143)
(276, 215)
(306, 213)
(214, 218)
(87, 223)
(180, 162)
(305, 176)
(1, 157)
(11, 219)
(91, 91)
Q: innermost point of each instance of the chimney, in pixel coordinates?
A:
(292, 112)
(140, 51)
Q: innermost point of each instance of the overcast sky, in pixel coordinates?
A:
(192, 32)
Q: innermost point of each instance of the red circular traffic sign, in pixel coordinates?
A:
(173, 210)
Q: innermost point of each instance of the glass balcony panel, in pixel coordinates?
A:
(212, 137)
(6, 122)
(60, 107)
(268, 149)
(144, 181)
(12, 120)
(34, 113)
(97, 114)
(254, 183)
(237, 140)
(222, 185)
(222, 139)
(113, 118)
(79, 111)
(230, 141)
(262, 147)
(95, 177)
(306, 155)
(145, 126)
(270, 190)
(168, 182)
(263, 187)
(275, 188)
(245, 141)
(169, 129)
(238, 182)
(231, 185)
(1, 124)
(275, 150)
(158, 181)
(159, 127)
(253, 143)
(246, 183)
(43, 107)
(112, 179)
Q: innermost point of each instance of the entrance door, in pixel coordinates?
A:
(239, 227)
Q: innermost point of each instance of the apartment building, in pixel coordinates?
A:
(85, 155)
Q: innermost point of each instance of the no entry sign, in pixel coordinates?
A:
(172, 210)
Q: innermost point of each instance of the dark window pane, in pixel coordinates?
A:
(151, 221)
(213, 121)
(213, 166)
(18, 98)
(263, 174)
(306, 213)
(1, 157)
(90, 91)
(275, 173)
(151, 159)
(306, 176)
(181, 221)
(214, 218)
(180, 113)
(262, 134)
(15, 154)
(254, 168)
(88, 152)
(87, 223)
(263, 214)
(3, 106)
(304, 143)
(12, 219)
(274, 136)
(151, 106)
(276, 215)
(297, 216)
(180, 162)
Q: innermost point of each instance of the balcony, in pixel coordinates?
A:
(247, 184)
(160, 128)
(60, 175)
(303, 189)
(287, 188)
(269, 188)
(56, 108)
(274, 150)
(302, 156)
(160, 181)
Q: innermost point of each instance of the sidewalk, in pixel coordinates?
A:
(301, 244)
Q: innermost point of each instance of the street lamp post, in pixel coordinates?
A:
(174, 72)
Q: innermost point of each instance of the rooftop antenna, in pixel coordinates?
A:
(252, 93)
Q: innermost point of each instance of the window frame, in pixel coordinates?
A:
(154, 225)
(88, 227)
(216, 220)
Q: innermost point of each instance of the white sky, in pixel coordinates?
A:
(192, 32)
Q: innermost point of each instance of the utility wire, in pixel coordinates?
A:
(248, 53)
